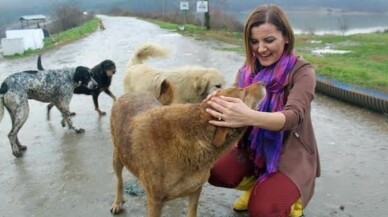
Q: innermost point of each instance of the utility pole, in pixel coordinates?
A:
(207, 16)
(165, 7)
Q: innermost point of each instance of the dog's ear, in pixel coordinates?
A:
(164, 86)
(166, 95)
(201, 85)
(254, 94)
(82, 74)
(220, 136)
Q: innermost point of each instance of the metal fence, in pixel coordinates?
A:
(371, 99)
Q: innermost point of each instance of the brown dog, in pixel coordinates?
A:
(171, 149)
(102, 26)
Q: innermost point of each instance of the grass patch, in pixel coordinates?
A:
(366, 65)
(199, 32)
(62, 38)
(72, 34)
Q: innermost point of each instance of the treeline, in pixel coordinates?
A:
(246, 5)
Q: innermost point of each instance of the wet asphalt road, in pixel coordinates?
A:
(66, 174)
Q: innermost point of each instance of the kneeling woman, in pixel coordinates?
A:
(277, 160)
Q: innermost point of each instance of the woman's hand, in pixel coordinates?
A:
(229, 112)
(212, 94)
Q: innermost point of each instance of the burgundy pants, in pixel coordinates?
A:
(272, 197)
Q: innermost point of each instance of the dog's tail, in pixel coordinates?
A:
(148, 50)
(1, 108)
(39, 63)
(3, 90)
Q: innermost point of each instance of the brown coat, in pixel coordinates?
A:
(299, 159)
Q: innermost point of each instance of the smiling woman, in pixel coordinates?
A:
(279, 151)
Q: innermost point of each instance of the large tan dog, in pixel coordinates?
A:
(171, 149)
(191, 84)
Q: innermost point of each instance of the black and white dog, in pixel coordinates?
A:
(102, 74)
(53, 86)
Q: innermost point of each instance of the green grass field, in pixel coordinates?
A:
(71, 34)
(366, 64)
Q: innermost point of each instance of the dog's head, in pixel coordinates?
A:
(209, 81)
(83, 77)
(108, 67)
(250, 95)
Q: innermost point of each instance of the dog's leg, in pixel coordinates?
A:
(193, 203)
(19, 115)
(64, 108)
(49, 107)
(95, 101)
(21, 147)
(118, 169)
(154, 206)
(107, 91)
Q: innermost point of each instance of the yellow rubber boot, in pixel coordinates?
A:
(246, 185)
(297, 209)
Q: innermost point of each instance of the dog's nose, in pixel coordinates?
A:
(218, 85)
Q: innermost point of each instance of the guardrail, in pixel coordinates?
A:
(371, 99)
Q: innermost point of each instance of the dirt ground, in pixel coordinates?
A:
(66, 174)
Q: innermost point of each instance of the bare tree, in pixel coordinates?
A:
(310, 29)
(223, 6)
(67, 16)
(343, 25)
(3, 26)
(164, 7)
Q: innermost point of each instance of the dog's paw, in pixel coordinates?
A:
(79, 131)
(22, 147)
(100, 113)
(63, 123)
(116, 208)
(17, 153)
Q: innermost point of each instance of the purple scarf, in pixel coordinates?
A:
(266, 145)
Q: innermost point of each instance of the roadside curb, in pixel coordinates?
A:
(371, 99)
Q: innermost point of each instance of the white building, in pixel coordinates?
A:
(30, 37)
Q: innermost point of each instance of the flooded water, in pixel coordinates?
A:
(66, 174)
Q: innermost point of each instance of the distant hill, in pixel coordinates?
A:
(11, 10)
(380, 6)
